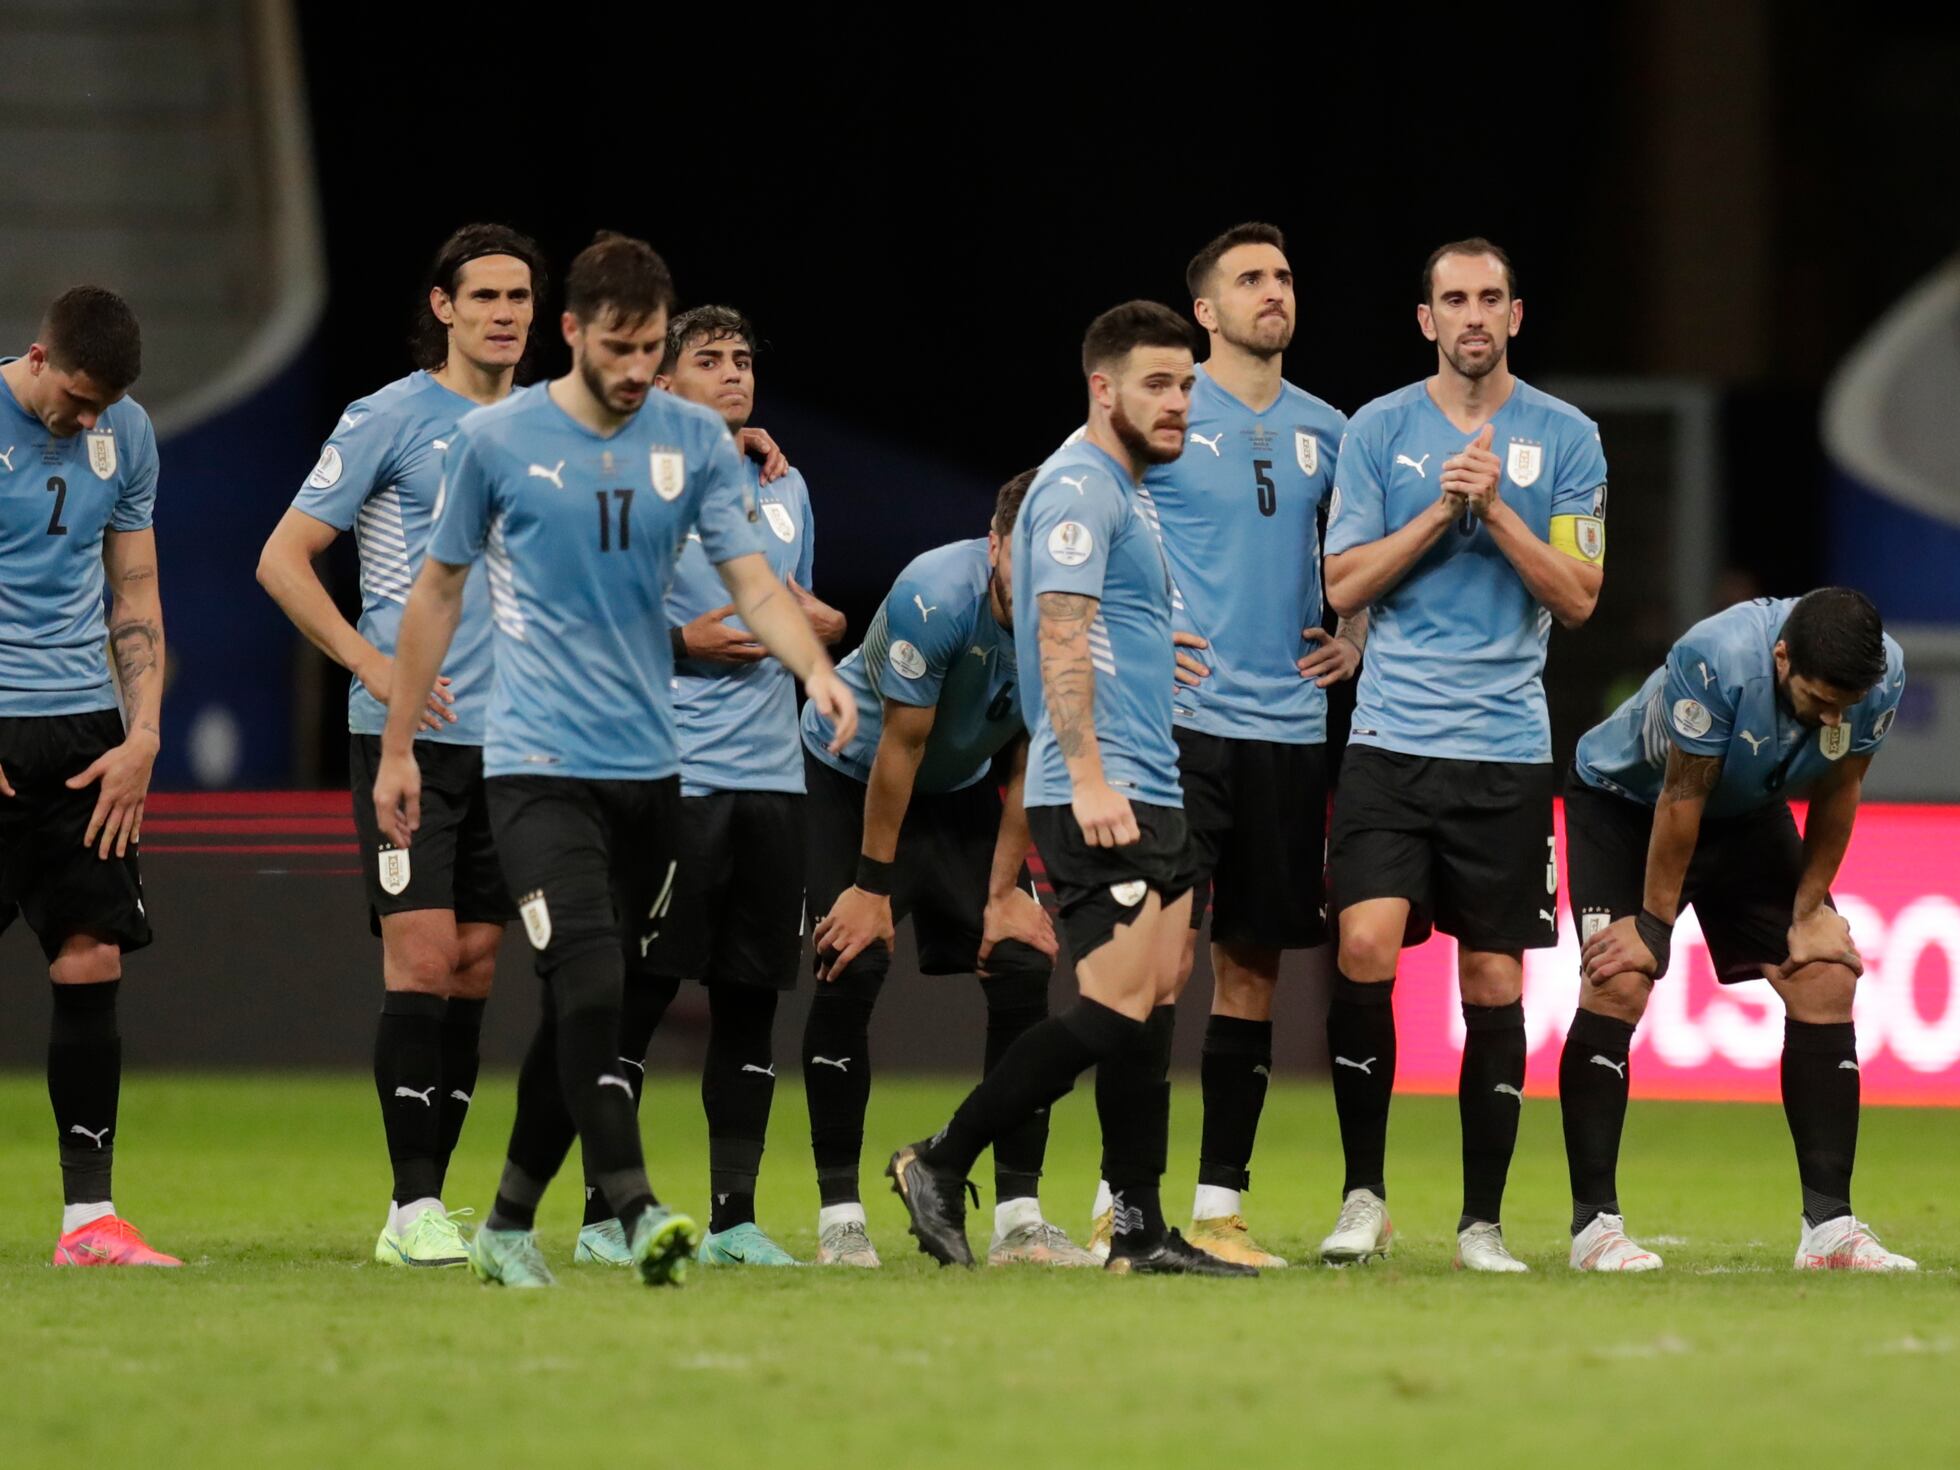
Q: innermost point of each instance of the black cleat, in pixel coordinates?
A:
(936, 1203)
(1172, 1256)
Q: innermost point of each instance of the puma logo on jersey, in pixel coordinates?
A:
(768, 1071)
(539, 472)
(1364, 1068)
(1077, 481)
(1706, 677)
(98, 1137)
(842, 1065)
(422, 1097)
(443, 444)
(925, 613)
(1415, 464)
(606, 1079)
(8, 459)
(1756, 743)
(348, 420)
(1507, 1087)
(1211, 443)
(1619, 1067)
(1547, 916)
(978, 652)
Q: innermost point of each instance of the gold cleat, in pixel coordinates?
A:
(1226, 1237)
(1102, 1233)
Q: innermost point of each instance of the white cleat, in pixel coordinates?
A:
(1482, 1248)
(1603, 1246)
(1363, 1230)
(1847, 1244)
(845, 1243)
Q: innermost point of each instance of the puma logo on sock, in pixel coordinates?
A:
(843, 1066)
(768, 1071)
(1362, 1067)
(98, 1137)
(422, 1097)
(1507, 1087)
(1620, 1067)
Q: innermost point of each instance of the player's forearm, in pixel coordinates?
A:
(290, 580)
(1826, 836)
(1068, 680)
(1011, 844)
(435, 607)
(888, 795)
(1356, 577)
(772, 615)
(1564, 586)
(136, 649)
(1354, 630)
(1677, 827)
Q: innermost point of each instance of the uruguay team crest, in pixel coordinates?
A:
(1591, 537)
(1306, 449)
(102, 453)
(779, 520)
(669, 468)
(393, 863)
(1523, 462)
(537, 918)
(1834, 741)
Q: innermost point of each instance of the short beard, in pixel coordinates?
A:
(1133, 439)
(596, 386)
(1246, 343)
(1475, 371)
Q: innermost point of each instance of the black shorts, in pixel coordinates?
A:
(737, 913)
(1257, 815)
(1100, 888)
(942, 871)
(589, 862)
(1468, 843)
(46, 874)
(1742, 880)
(452, 863)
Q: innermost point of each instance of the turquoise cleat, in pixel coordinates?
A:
(603, 1244)
(509, 1258)
(744, 1245)
(662, 1243)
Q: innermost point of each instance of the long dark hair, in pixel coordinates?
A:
(428, 338)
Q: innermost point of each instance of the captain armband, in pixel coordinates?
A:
(1583, 538)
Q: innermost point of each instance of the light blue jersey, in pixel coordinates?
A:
(1456, 649)
(737, 722)
(57, 498)
(1716, 695)
(1239, 515)
(933, 644)
(378, 476)
(579, 533)
(1082, 530)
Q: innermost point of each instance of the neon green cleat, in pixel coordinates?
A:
(744, 1245)
(433, 1239)
(662, 1244)
(509, 1258)
(603, 1244)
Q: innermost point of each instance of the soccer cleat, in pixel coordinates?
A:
(1363, 1230)
(509, 1258)
(108, 1241)
(744, 1245)
(1172, 1256)
(662, 1244)
(430, 1239)
(1603, 1246)
(603, 1244)
(1102, 1231)
(1481, 1248)
(1846, 1244)
(847, 1244)
(1226, 1237)
(1037, 1244)
(937, 1205)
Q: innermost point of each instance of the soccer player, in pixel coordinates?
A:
(1239, 512)
(579, 493)
(78, 485)
(908, 819)
(1682, 796)
(1092, 630)
(1468, 513)
(440, 905)
(735, 922)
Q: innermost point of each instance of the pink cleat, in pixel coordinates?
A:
(108, 1242)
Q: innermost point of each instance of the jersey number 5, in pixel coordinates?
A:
(623, 499)
(1268, 491)
(58, 488)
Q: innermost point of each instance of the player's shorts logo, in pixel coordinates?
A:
(537, 918)
(393, 863)
(906, 659)
(1070, 543)
(1306, 449)
(1523, 462)
(1691, 718)
(1834, 741)
(102, 453)
(1129, 894)
(669, 470)
(779, 520)
(1593, 921)
(326, 474)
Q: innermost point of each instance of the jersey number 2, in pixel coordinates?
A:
(1268, 491)
(58, 488)
(623, 499)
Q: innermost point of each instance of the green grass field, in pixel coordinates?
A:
(281, 1342)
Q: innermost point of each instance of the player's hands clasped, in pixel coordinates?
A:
(1822, 936)
(1616, 950)
(398, 797)
(1332, 660)
(835, 703)
(855, 922)
(125, 776)
(1472, 476)
(825, 621)
(378, 678)
(1191, 670)
(1016, 914)
(1104, 815)
(710, 638)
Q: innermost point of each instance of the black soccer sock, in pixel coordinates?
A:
(1133, 1104)
(1235, 1070)
(408, 1080)
(642, 1006)
(1489, 1099)
(598, 1090)
(1040, 1067)
(1016, 1001)
(542, 1132)
(1820, 1100)
(462, 1038)
(837, 1081)
(738, 1086)
(1361, 1043)
(1592, 1097)
(85, 1086)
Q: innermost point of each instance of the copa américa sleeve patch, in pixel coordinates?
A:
(906, 659)
(326, 474)
(1071, 543)
(1691, 718)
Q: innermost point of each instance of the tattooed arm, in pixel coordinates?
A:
(1622, 947)
(129, 558)
(1068, 686)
